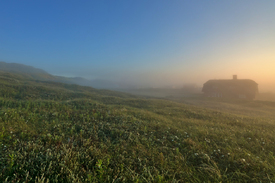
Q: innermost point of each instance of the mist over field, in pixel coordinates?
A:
(137, 91)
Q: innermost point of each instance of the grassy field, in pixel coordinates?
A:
(52, 132)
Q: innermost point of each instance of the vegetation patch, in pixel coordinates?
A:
(51, 132)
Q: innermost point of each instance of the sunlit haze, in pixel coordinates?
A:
(143, 43)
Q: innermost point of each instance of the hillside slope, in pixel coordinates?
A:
(20, 68)
(59, 132)
(32, 73)
(26, 71)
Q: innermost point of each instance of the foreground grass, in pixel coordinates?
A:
(65, 133)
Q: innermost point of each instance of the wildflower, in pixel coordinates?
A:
(228, 154)
(196, 154)
(11, 132)
(263, 142)
(243, 160)
(248, 154)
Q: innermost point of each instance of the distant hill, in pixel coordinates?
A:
(28, 72)
(20, 68)
(32, 73)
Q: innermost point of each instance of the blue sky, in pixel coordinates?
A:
(142, 42)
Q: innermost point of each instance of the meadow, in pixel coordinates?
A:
(53, 132)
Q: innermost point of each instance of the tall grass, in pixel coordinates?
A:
(52, 132)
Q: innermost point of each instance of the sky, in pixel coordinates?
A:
(144, 43)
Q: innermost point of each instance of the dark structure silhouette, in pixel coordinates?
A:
(231, 88)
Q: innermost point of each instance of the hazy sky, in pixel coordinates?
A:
(140, 41)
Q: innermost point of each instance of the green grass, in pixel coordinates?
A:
(52, 132)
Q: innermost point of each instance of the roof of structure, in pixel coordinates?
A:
(231, 82)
